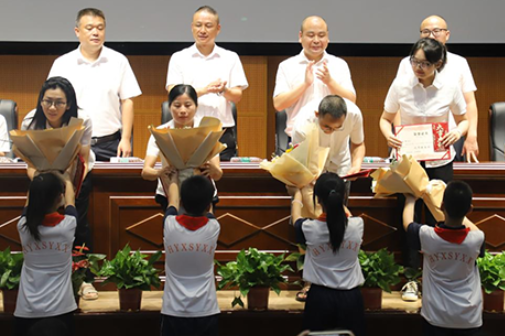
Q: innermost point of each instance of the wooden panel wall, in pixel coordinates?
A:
(22, 76)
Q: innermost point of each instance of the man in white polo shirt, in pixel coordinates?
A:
(104, 84)
(457, 68)
(303, 80)
(216, 74)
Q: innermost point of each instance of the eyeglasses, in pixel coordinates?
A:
(423, 65)
(57, 103)
(435, 32)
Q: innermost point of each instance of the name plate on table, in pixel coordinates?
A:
(423, 141)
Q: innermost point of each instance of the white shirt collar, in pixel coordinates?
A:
(305, 60)
(101, 58)
(216, 52)
(437, 82)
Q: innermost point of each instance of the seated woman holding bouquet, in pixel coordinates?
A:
(183, 102)
(57, 103)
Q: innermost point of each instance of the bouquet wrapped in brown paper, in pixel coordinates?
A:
(49, 149)
(300, 167)
(185, 148)
(407, 176)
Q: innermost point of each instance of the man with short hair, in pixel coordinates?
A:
(303, 80)
(216, 74)
(104, 84)
(457, 67)
(452, 299)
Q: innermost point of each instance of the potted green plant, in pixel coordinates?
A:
(254, 273)
(381, 272)
(81, 262)
(132, 273)
(10, 275)
(492, 277)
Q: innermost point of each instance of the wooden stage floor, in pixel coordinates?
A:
(284, 317)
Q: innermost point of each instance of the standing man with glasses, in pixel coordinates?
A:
(303, 80)
(216, 74)
(456, 67)
(104, 84)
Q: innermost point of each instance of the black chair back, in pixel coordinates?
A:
(281, 138)
(497, 132)
(9, 110)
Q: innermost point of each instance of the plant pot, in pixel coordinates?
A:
(257, 298)
(493, 302)
(9, 299)
(130, 299)
(372, 298)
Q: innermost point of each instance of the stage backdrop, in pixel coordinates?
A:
(356, 21)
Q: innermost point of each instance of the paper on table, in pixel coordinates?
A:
(407, 176)
(49, 149)
(190, 147)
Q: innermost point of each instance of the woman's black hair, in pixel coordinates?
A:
(39, 119)
(181, 89)
(330, 192)
(44, 191)
(434, 51)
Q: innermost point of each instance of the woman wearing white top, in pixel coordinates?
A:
(5, 145)
(57, 103)
(183, 101)
(45, 289)
(331, 260)
(426, 96)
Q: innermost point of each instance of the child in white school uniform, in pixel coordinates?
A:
(45, 289)
(189, 299)
(331, 261)
(452, 298)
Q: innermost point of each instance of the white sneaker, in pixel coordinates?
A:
(410, 291)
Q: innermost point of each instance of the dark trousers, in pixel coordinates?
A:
(411, 257)
(61, 325)
(431, 330)
(105, 150)
(82, 232)
(230, 139)
(458, 147)
(327, 309)
(189, 326)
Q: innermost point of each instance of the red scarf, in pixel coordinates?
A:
(456, 236)
(52, 219)
(192, 223)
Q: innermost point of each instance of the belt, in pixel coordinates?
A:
(107, 138)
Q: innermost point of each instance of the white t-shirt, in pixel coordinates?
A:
(452, 296)
(322, 267)
(100, 86)
(86, 137)
(5, 145)
(45, 288)
(339, 158)
(190, 244)
(418, 105)
(189, 66)
(291, 73)
(456, 68)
